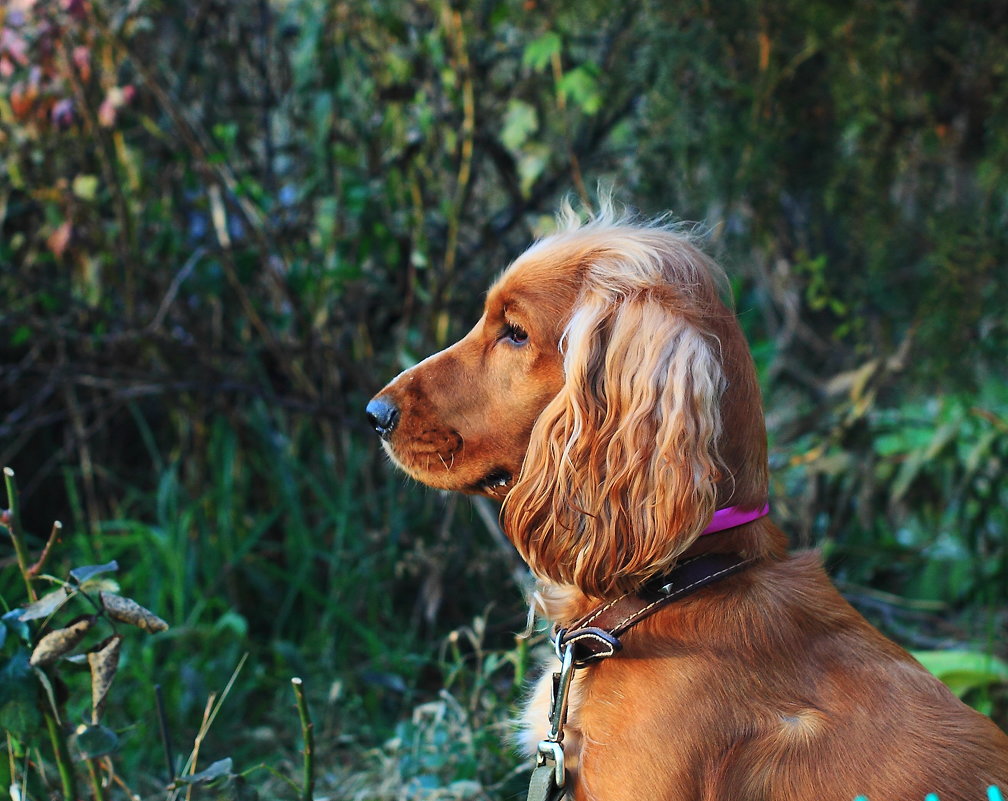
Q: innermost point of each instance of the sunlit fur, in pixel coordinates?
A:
(608, 396)
(621, 470)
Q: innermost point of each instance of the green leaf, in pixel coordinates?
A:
(327, 214)
(19, 713)
(82, 574)
(226, 133)
(520, 120)
(85, 186)
(531, 165)
(12, 622)
(49, 691)
(21, 335)
(95, 741)
(962, 671)
(580, 86)
(539, 52)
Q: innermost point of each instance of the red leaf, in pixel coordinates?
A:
(59, 239)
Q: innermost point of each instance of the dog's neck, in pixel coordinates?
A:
(758, 539)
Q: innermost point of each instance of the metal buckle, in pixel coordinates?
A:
(551, 748)
(559, 710)
(548, 749)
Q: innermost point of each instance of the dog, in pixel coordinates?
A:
(608, 398)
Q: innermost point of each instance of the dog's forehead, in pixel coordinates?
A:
(531, 283)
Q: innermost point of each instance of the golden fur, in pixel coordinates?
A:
(608, 397)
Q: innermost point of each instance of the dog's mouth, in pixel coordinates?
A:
(494, 482)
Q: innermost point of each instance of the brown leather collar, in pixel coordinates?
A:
(596, 635)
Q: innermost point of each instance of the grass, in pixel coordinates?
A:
(264, 549)
(300, 567)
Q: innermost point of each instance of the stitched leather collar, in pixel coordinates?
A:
(596, 635)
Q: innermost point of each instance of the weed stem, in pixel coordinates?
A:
(62, 754)
(307, 733)
(163, 726)
(14, 528)
(96, 787)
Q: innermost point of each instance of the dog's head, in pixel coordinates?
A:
(606, 395)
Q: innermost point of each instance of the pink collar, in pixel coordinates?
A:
(733, 516)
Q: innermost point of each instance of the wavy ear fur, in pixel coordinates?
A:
(621, 471)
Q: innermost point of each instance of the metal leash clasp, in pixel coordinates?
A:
(552, 747)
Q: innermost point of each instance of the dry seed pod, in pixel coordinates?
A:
(126, 610)
(58, 642)
(104, 661)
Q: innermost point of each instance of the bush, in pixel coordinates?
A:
(225, 226)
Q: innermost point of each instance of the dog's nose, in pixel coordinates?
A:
(383, 415)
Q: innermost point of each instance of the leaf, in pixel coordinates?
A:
(82, 574)
(19, 713)
(580, 86)
(520, 120)
(219, 769)
(100, 584)
(126, 610)
(962, 671)
(59, 240)
(531, 165)
(85, 186)
(539, 52)
(918, 459)
(21, 335)
(104, 662)
(50, 692)
(58, 642)
(12, 622)
(95, 741)
(45, 605)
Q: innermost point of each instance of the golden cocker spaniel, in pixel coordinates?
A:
(607, 396)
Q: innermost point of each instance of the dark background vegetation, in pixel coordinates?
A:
(224, 225)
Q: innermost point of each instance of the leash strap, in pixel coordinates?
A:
(543, 787)
(596, 635)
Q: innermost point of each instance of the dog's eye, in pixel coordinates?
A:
(514, 334)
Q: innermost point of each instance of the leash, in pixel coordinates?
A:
(596, 636)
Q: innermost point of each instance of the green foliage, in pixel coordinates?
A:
(966, 672)
(38, 641)
(918, 493)
(19, 714)
(223, 226)
(454, 745)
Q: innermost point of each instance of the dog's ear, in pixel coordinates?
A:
(620, 475)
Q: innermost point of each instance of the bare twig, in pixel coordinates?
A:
(213, 706)
(198, 741)
(174, 287)
(95, 776)
(54, 535)
(308, 735)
